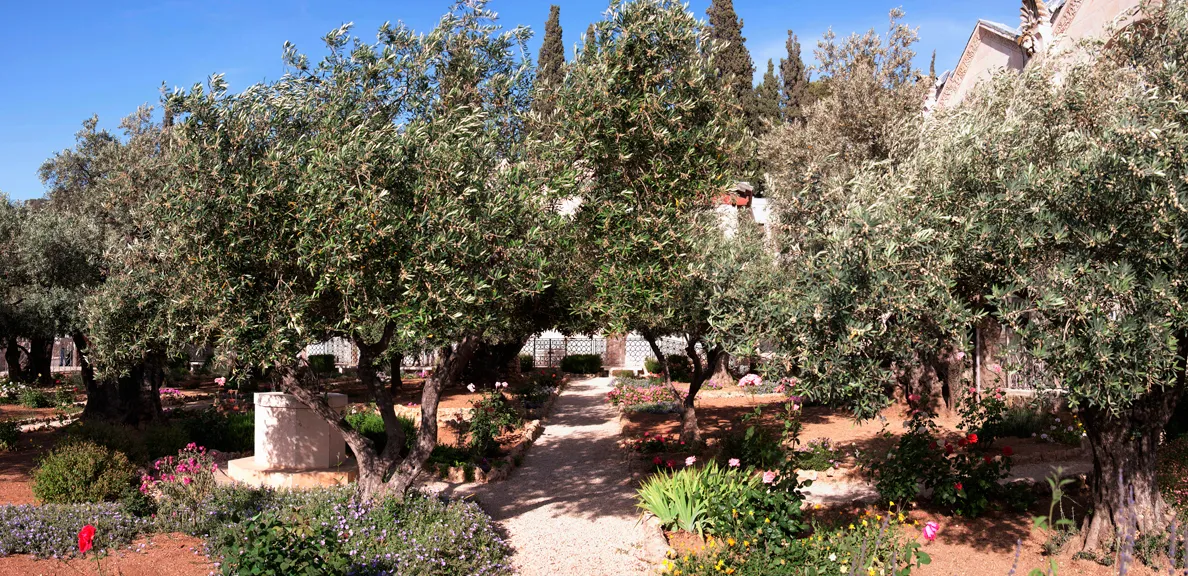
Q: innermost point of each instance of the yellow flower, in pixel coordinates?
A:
(747, 543)
(864, 522)
(730, 541)
(730, 570)
(901, 517)
(851, 526)
(879, 517)
(891, 503)
(767, 520)
(870, 571)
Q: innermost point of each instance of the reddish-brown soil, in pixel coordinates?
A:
(163, 554)
(18, 412)
(16, 467)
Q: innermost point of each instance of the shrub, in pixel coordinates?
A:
(869, 544)
(963, 477)
(669, 407)
(527, 363)
(983, 416)
(369, 423)
(82, 472)
(64, 397)
(582, 364)
(547, 377)
(627, 393)
(10, 433)
(51, 530)
(753, 444)
(622, 373)
(222, 431)
(116, 437)
(817, 455)
(322, 364)
(181, 485)
(332, 532)
(491, 416)
(164, 439)
(679, 366)
(34, 398)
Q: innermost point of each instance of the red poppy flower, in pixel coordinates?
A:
(86, 538)
(1007, 451)
(958, 485)
(973, 438)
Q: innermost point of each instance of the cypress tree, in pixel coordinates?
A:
(734, 60)
(551, 63)
(552, 50)
(795, 94)
(932, 66)
(767, 100)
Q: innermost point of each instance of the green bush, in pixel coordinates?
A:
(527, 363)
(332, 532)
(322, 364)
(622, 373)
(679, 366)
(164, 439)
(222, 431)
(116, 437)
(34, 398)
(371, 424)
(491, 416)
(582, 364)
(82, 472)
(10, 433)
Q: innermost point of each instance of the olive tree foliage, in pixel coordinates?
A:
(653, 131)
(385, 194)
(874, 89)
(101, 184)
(866, 305)
(1065, 193)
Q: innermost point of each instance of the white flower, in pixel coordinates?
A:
(833, 557)
(690, 460)
(470, 387)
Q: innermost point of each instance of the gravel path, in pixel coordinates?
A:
(570, 508)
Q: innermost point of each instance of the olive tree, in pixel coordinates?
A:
(1064, 188)
(385, 194)
(653, 132)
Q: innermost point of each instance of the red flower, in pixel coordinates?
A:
(657, 460)
(1006, 451)
(948, 448)
(932, 445)
(671, 463)
(962, 442)
(957, 485)
(987, 458)
(973, 438)
(86, 538)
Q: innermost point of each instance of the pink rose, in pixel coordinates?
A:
(930, 531)
(734, 463)
(769, 477)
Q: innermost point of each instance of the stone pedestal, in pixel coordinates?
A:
(295, 447)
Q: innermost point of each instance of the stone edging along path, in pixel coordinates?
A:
(570, 508)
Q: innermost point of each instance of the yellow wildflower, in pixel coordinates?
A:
(730, 541)
(851, 526)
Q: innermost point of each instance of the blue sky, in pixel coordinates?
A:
(70, 59)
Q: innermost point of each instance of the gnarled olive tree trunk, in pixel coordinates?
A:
(1124, 488)
(12, 357)
(386, 471)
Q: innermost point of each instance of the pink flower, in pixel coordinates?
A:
(750, 380)
(960, 354)
(769, 477)
(657, 460)
(995, 368)
(690, 460)
(186, 480)
(913, 397)
(671, 463)
(734, 463)
(930, 531)
(220, 381)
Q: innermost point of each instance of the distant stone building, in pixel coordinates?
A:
(1053, 27)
